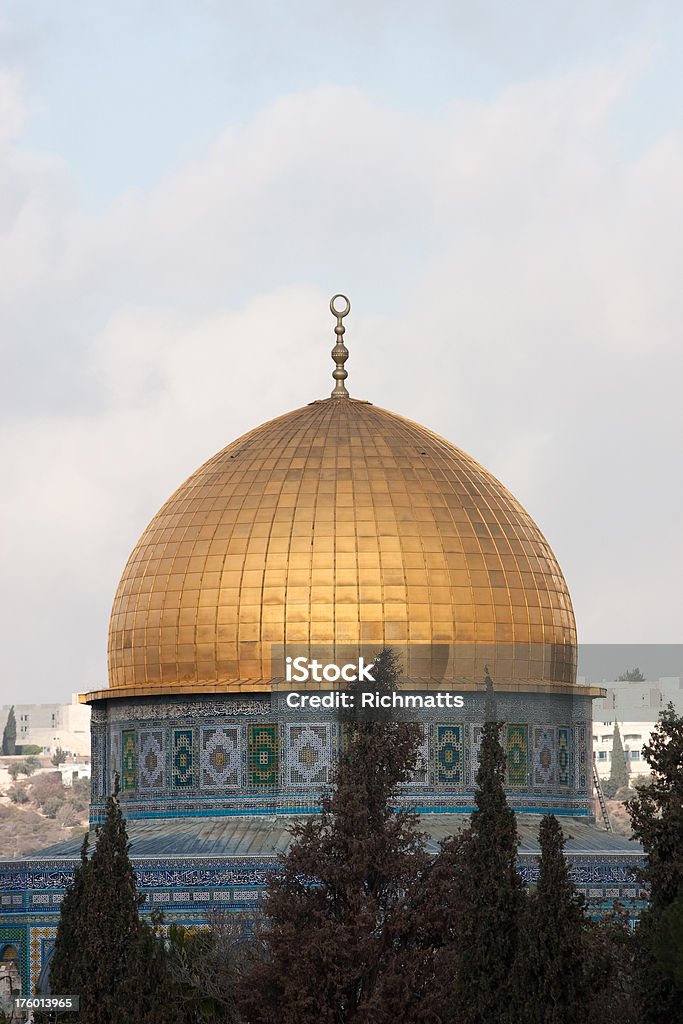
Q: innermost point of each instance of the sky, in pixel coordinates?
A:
(183, 185)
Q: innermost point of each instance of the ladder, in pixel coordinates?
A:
(601, 799)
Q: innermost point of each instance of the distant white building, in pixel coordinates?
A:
(72, 772)
(52, 727)
(635, 707)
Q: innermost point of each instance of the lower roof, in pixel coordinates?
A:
(266, 836)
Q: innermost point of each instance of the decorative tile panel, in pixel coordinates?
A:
(263, 755)
(174, 710)
(581, 757)
(449, 759)
(563, 755)
(98, 744)
(517, 754)
(544, 756)
(189, 763)
(307, 755)
(220, 757)
(129, 760)
(40, 944)
(115, 758)
(182, 768)
(152, 759)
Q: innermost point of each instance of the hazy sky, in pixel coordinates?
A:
(183, 184)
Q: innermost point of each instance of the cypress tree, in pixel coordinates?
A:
(618, 770)
(66, 966)
(112, 924)
(9, 735)
(104, 953)
(657, 821)
(491, 899)
(551, 972)
(336, 910)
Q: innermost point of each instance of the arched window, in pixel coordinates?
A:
(10, 978)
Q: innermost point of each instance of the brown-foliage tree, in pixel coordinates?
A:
(336, 910)
(612, 951)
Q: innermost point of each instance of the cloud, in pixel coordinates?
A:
(513, 279)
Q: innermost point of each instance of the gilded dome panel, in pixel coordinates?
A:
(337, 523)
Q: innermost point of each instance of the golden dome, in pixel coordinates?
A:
(337, 523)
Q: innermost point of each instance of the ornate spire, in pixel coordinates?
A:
(340, 353)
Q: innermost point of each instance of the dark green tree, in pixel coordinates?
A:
(657, 810)
(619, 773)
(66, 968)
(335, 911)
(551, 970)
(668, 942)
(104, 952)
(9, 735)
(657, 821)
(612, 950)
(491, 899)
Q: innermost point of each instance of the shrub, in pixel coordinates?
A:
(45, 787)
(609, 788)
(51, 806)
(66, 815)
(18, 795)
(79, 797)
(29, 766)
(29, 748)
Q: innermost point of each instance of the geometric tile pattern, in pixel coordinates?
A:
(307, 755)
(563, 755)
(263, 759)
(152, 759)
(220, 757)
(544, 756)
(449, 759)
(40, 943)
(98, 747)
(176, 766)
(517, 753)
(182, 759)
(129, 759)
(581, 748)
